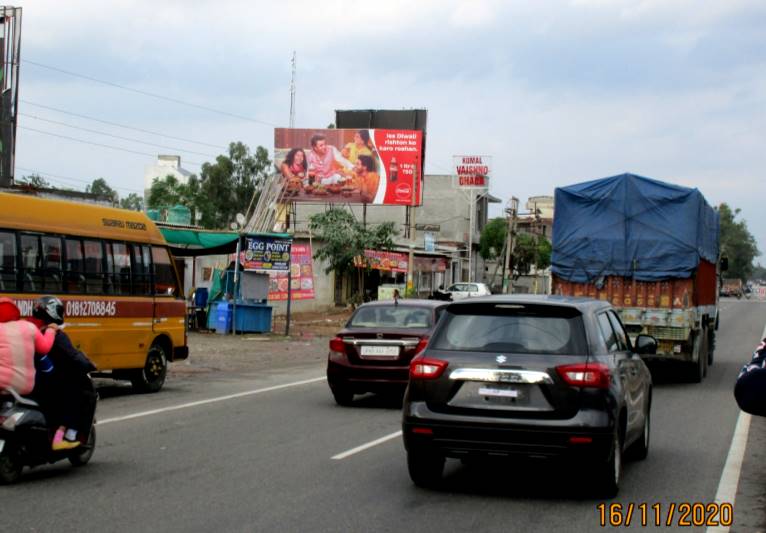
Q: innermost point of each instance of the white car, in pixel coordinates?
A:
(458, 291)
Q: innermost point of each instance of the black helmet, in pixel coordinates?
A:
(49, 309)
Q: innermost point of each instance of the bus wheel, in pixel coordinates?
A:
(152, 376)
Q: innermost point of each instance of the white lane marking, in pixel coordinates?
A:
(370, 444)
(208, 401)
(727, 487)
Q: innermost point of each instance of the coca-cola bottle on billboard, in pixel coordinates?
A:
(393, 169)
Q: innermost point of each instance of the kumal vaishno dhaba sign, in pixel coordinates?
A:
(472, 171)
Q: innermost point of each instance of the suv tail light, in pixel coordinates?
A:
(594, 375)
(422, 343)
(426, 368)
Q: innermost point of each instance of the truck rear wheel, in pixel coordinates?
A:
(696, 367)
(710, 346)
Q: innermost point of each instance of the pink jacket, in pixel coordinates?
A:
(19, 340)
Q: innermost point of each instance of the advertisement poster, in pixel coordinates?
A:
(301, 276)
(472, 171)
(357, 166)
(393, 261)
(265, 253)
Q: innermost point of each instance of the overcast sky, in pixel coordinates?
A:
(557, 92)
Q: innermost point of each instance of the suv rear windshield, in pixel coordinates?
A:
(391, 316)
(514, 328)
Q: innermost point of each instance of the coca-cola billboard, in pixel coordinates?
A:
(472, 171)
(358, 166)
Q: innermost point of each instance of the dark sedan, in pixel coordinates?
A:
(373, 352)
(547, 377)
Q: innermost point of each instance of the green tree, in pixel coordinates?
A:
(35, 181)
(169, 191)
(737, 243)
(492, 238)
(229, 185)
(530, 250)
(345, 238)
(133, 202)
(759, 272)
(101, 188)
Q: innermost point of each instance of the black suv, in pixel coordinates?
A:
(529, 376)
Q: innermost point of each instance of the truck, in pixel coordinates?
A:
(732, 287)
(650, 248)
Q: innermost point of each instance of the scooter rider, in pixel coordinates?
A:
(65, 393)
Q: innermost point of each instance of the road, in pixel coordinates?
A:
(263, 461)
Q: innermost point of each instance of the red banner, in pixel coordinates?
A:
(301, 276)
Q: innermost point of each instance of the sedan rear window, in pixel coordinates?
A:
(521, 329)
(391, 316)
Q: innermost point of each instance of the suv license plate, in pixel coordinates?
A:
(499, 393)
(380, 351)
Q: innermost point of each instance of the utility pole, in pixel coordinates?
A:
(413, 238)
(292, 94)
(510, 242)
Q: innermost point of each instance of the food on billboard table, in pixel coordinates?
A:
(307, 283)
(373, 166)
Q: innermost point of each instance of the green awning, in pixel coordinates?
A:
(186, 242)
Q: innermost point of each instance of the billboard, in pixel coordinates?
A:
(365, 166)
(472, 171)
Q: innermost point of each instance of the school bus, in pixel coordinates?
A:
(115, 274)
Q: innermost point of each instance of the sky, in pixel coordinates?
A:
(557, 92)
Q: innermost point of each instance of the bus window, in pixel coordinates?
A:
(30, 263)
(94, 267)
(142, 270)
(165, 283)
(7, 261)
(121, 278)
(52, 271)
(75, 268)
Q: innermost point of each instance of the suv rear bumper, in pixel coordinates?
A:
(588, 435)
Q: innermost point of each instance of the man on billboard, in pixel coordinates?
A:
(365, 178)
(323, 160)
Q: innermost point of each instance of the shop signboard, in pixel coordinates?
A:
(472, 171)
(356, 166)
(265, 253)
(301, 276)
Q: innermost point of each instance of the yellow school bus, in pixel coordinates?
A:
(114, 273)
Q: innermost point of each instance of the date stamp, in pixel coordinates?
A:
(671, 514)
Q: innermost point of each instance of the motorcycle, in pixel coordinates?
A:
(26, 438)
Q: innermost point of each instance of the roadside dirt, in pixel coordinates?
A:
(248, 353)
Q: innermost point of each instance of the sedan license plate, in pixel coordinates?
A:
(380, 351)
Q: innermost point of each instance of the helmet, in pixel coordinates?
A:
(49, 309)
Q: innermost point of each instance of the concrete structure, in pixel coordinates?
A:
(445, 206)
(166, 165)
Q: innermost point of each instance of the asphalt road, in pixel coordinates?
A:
(263, 461)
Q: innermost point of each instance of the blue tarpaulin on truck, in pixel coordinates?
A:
(631, 226)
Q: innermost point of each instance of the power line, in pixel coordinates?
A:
(59, 177)
(115, 136)
(97, 144)
(27, 102)
(147, 93)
